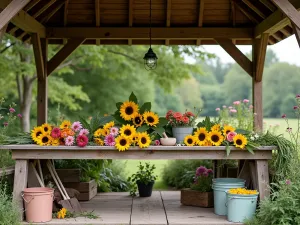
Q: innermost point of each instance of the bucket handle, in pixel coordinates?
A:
(32, 197)
(226, 203)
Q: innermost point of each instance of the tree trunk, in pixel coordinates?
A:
(26, 103)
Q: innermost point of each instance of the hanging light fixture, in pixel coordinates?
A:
(150, 58)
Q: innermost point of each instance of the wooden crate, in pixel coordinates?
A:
(69, 175)
(196, 198)
(88, 190)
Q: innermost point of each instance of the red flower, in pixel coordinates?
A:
(55, 133)
(177, 115)
(283, 116)
(169, 113)
(189, 114)
(82, 140)
(185, 119)
(178, 119)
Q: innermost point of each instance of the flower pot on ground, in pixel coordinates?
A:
(200, 194)
(143, 179)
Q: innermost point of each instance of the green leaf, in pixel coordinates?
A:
(142, 128)
(118, 119)
(241, 131)
(105, 119)
(133, 98)
(145, 107)
(118, 104)
(84, 123)
(159, 130)
(227, 150)
(250, 149)
(163, 121)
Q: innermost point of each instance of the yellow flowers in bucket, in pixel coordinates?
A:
(242, 191)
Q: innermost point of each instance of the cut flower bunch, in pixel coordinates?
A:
(242, 191)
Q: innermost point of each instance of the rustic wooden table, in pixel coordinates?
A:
(23, 153)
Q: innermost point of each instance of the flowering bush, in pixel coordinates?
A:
(177, 119)
(203, 179)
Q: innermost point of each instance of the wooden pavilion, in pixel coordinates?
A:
(72, 23)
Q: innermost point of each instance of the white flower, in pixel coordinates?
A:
(252, 138)
(256, 136)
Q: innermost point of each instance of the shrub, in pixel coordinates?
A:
(5, 159)
(180, 173)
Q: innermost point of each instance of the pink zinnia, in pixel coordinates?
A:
(82, 140)
(114, 131)
(5, 124)
(246, 100)
(19, 115)
(69, 141)
(55, 133)
(12, 110)
(185, 119)
(236, 102)
(217, 109)
(157, 142)
(84, 132)
(298, 96)
(109, 140)
(230, 107)
(230, 136)
(169, 113)
(233, 110)
(224, 106)
(76, 126)
(283, 116)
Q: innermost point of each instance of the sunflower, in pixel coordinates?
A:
(109, 125)
(65, 124)
(144, 140)
(99, 141)
(138, 120)
(44, 139)
(228, 129)
(201, 136)
(128, 131)
(240, 141)
(122, 143)
(135, 138)
(190, 140)
(207, 143)
(151, 118)
(99, 132)
(215, 127)
(36, 132)
(216, 138)
(128, 110)
(47, 128)
(55, 142)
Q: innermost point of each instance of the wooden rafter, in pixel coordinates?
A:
(276, 21)
(130, 18)
(289, 10)
(46, 18)
(261, 45)
(297, 33)
(246, 12)
(38, 55)
(31, 4)
(143, 32)
(236, 54)
(201, 13)
(57, 59)
(254, 8)
(269, 5)
(233, 13)
(97, 17)
(10, 10)
(168, 18)
(66, 13)
(44, 8)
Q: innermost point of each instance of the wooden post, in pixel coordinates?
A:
(20, 182)
(296, 31)
(262, 175)
(42, 94)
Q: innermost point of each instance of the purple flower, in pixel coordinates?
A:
(288, 182)
(205, 174)
(283, 116)
(12, 110)
(19, 115)
(200, 170)
(296, 107)
(157, 142)
(109, 140)
(209, 171)
(5, 124)
(298, 96)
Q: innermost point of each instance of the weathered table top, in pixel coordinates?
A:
(152, 152)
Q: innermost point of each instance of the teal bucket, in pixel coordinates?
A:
(220, 187)
(240, 207)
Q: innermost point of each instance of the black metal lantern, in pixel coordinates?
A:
(150, 58)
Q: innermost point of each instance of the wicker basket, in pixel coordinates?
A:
(196, 198)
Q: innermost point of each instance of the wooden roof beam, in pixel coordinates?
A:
(201, 13)
(246, 12)
(233, 13)
(236, 54)
(143, 32)
(269, 5)
(260, 55)
(297, 33)
(254, 8)
(38, 55)
(168, 19)
(130, 18)
(60, 56)
(31, 4)
(10, 10)
(46, 18)
(275, 22)
(44, 8)
(97, 17)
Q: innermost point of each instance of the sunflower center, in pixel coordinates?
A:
(127, 132)
(46, 129)
(239, 142)
(143, 140)
(227, 131)
(123, 142)
(215, 138)
(38, 133)
(201, 137)
(190, 141)
(137, 120)
(150, 119)
(129, 110)
(45, 139)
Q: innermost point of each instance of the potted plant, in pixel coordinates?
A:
(200, 194)
(144, 179)
(182, 124)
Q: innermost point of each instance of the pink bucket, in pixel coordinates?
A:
(38, 204)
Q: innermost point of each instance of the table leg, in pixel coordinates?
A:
(262, 176)
(20, 182)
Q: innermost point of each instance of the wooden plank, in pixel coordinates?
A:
(44, 8)
(87, 196)
(130, 13)
(69, 175)
(148, 210)
(262, 178)
(269, 5)
(260, 53)
(47, 17)
(38, 55)
(289, 10)
(97, 14)
(7, 171)
(233, 13)
(257, 105)
(253, 174)
(60, 56)
(31, 4)
(236, 54)
(83, 187)
(20, 182)
(254, 8)
(10, 11)
(246, 12)
(168, 18)
(143, 33)
(296, 31)
(276, 21)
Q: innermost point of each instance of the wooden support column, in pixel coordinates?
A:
(42, 93)
(262, 176)
(296, 31)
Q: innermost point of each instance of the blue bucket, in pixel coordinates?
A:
(241, 207)
(220, 187)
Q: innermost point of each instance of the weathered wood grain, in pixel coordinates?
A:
(262, 178)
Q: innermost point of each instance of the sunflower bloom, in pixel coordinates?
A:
(44, 139)
(190, 140)
(144, 140)
(99, 141)
(122, 143)
(128, 131)
(138, 120)
(151, 118)
(109, 125)
(128, 110)
(99, 132)
(216, 127)
(216, 138)
(65, 124)
(201, 136)
(55, 142)
(35, 133)
(240, 141)
(47, 128)
(228, 129)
